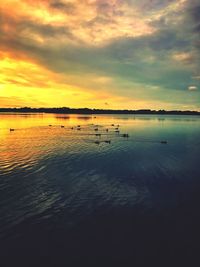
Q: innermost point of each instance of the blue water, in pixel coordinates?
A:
(68, 198)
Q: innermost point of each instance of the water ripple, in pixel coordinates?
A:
(63, 176)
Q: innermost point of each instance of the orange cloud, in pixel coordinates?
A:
(90, 22)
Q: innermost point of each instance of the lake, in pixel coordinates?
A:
(76, 192)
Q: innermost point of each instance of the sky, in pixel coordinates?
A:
(110, 54)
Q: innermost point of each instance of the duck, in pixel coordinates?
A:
(97, 142)
(125, 135)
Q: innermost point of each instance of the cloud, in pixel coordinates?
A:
(192, 88)
(92, 22)
(114, 48)
(67, 7)
(196, 77)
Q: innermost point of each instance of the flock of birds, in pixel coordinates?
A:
(107, 131)
(99, 131)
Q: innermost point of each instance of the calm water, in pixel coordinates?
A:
(69, 198)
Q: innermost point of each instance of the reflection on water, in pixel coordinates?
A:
(83, 191)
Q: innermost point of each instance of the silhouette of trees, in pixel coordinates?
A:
(67, 110)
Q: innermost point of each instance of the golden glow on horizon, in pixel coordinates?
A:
(24, 83)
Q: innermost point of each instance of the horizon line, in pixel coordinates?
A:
(27, 109)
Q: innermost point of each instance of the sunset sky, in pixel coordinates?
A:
(100, 54)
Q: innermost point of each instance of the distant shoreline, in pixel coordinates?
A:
(88, 111)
